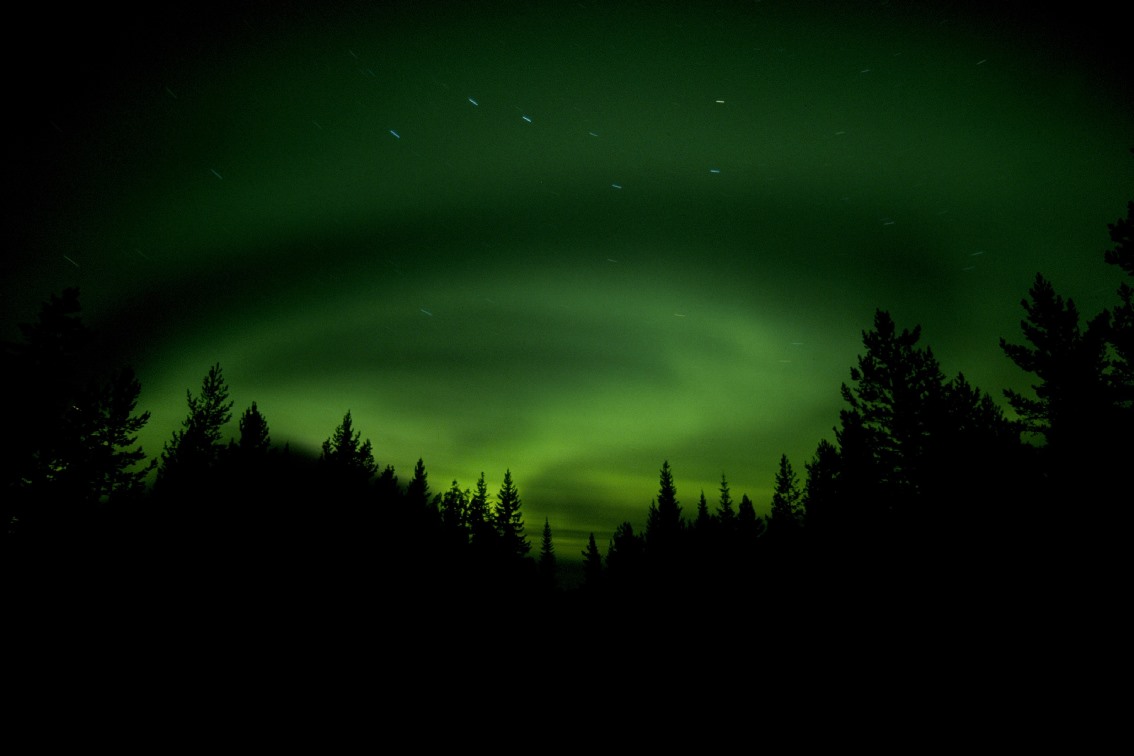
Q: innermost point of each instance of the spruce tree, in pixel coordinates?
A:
(625, 557)
(786, 518)
(725, 515)
(254, 441)
(346, 457)
(387, 491)
(1121, 335)
(509, 519)
(592, 565)
(454, 509)
(422, 510)
(1122, 234)
(664, 525)
(823, 511)
(453, 521)
(547, 565)
(749, 526)
(482, 530)
(704, 519)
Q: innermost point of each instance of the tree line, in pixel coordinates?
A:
(928, 485)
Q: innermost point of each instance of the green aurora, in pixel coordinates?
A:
(571, 240)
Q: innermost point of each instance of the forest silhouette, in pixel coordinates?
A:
(931, 495)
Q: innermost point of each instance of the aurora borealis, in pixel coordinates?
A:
(571, 240)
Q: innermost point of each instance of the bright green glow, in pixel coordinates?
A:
(479, 295)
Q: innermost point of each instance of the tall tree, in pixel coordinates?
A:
(750, 527)
(1072, 398)
(547, 565)
(902, 442)
(725, 514)
(452, 517)
(896, 385)
(421, 509)
(975, 455)
(509, 519)
(251, 480)
(454, 509)
(592, 565)
(482, 531)
(823, 511)
(346, 457)
(786, 518)
(70, 463)
(703, 534)
(107, 428)
(664, 524)
(704, 520)
(1122, 234)
(625, 557)
(1120, 447)
(44, 371)
(417, 490)
(902, 460)
(387, 491)
(1121, 336)
(190, 457)
(254, 440)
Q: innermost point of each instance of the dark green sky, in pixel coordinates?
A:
(572, 240)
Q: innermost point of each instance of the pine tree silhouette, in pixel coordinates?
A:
(547, 564)
(190, 457)
(592, 566)
(509, 519)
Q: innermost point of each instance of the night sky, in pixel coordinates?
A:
(572, 240)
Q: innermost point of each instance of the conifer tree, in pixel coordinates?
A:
(1072, 398)
(417, 490)
(547, 565)
(624, 556)
(421, 509)
(749, 526)
(254, 441)
(704, 520)
(664, 525)
(822, 508)
(725, 515)
(44, 461)
(509, 519)
(1121, 336)
(191, 455)
(1121, 341)
(1076, 406)
(267, 491)
(70, 458)
(896, 386)
(387, 490)
(482, 530)
(592, 565)
(1119, 448)
(454, 508)
(975, 455)
(452, 517)
(903, 424)
(107, 430)
(1122, 234)
(786, 517)
(346, 457)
